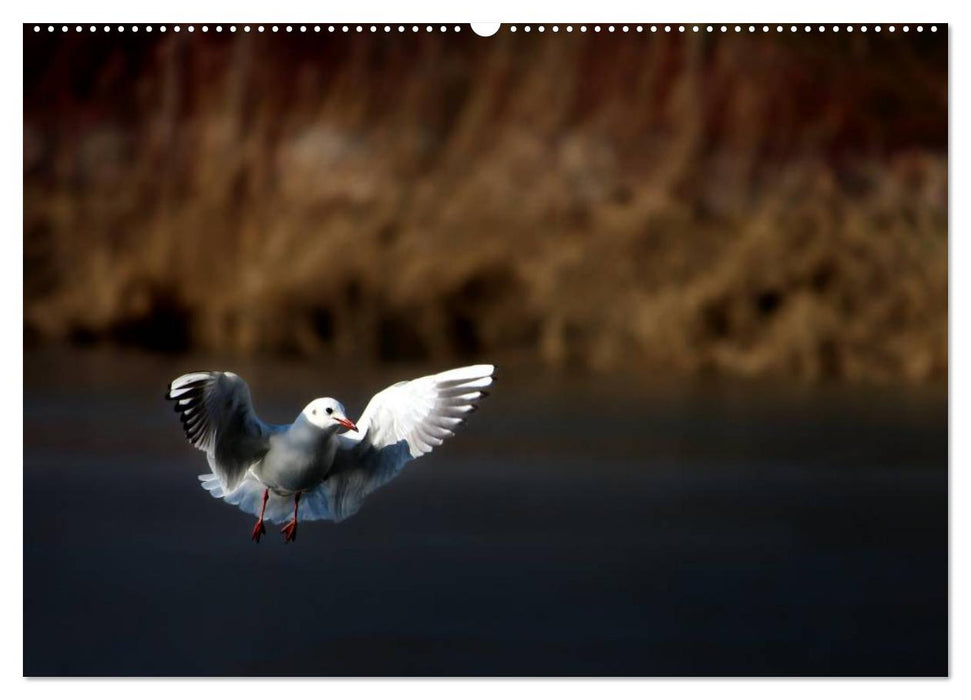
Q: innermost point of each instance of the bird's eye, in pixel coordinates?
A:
(329, 410)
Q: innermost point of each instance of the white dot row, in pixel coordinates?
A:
(722, 28)
(765, 28)
(247, 28)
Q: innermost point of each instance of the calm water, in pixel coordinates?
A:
(586, 528)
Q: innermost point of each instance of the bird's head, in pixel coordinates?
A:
(328, 413)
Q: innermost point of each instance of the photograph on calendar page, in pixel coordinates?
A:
(485, 350)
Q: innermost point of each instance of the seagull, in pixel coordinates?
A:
(323, 464)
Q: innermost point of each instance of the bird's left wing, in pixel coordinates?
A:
(400, 423)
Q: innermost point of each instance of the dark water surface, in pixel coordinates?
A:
(582, 528)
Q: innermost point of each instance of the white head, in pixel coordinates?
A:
(327, 413)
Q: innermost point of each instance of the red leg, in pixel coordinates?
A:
(290, 529)
(260, 529)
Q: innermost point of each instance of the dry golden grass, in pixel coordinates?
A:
(741, 205)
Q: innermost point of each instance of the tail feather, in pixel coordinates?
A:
(248, 497)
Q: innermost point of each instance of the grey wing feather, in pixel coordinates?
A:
(218, 418)
(400, 423)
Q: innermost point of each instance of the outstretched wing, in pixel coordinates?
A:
(402, 422)
(218, 417)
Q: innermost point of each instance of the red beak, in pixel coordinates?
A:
(347, 424)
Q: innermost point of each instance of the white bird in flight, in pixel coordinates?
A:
(323, 463)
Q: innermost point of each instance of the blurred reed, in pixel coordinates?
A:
(745, 205)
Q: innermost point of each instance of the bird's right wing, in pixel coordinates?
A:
(400, 423)
(218, 418)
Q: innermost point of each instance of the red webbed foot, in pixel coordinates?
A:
(289, 531)
(258, 531)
